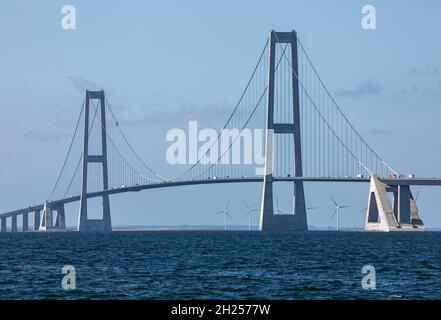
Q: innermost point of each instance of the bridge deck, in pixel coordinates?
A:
(169, 184)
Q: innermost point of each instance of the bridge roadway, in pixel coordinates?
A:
(168, 184)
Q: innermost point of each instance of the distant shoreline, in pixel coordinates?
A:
(231, 228)
(218, 228)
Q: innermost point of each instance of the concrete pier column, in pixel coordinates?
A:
(25, 224)
(395, 203)
(36, 220)
(47, 222)
(60, 220)
(3, 224)
(404, 204)
(14, 223)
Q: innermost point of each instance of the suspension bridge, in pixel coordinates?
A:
(307, 138)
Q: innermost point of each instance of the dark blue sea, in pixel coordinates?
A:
(220, 265)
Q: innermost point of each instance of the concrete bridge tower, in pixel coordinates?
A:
(84, 223)
(268, 220)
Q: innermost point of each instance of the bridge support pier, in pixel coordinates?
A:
(14, 223)
(36, 220)
(404, 197)
(381, 216)
(60, 221)
(3, 224)
(84, 223)
(268, 220)
(47, 222)
(25, 222)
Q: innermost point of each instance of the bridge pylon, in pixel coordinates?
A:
(268, 220)
(85, 224)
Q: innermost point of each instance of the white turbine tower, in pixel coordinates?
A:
(226, 213)
(249, 213)
(337, 212)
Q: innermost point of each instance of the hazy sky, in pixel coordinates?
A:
(165, 60)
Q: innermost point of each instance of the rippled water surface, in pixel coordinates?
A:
(225, 265)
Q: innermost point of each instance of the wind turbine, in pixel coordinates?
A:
(250, 211)
(337, 212)
(277, 210)
(225, 212)
(294, 206)
(415, 202)
(417, 195)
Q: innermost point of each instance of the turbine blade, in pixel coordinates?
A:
(246, 204)
(219, 212)
(341, 207)
(228, 203)
(280, 211)
(418, 194)
(334, 202)
(333, 215)
(363, 210)
(311, 208)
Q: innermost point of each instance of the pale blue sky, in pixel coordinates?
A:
(196, 56)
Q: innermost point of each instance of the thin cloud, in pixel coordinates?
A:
(122, 106)
(411, 90)
(67, 117)
(43, 136)
(424, 89)
(365, 88)
(379, 132)
(428, 71)
(180, 115)
(426, 81)
(81, 84)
